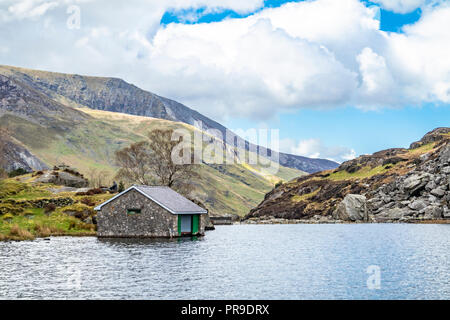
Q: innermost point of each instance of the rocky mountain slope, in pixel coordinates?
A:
(394, 185)
(116, 95)
(46, 131)
(17, 157)
(22, 100)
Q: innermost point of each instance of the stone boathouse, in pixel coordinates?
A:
(149, 212)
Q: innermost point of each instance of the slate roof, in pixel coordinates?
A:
(167, 198)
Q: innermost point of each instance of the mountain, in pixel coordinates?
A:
(48, 129)
(394, 185)
(17, 157)
(116, 95)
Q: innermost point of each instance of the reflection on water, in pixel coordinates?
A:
(236, 262)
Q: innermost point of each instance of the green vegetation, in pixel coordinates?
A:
(17, 172)
(35, 223)
(92, 144)
(423, 149)
(303, 197)
(363, 173)
(21, 220)
(13, 189)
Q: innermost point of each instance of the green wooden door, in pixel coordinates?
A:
(195, 223)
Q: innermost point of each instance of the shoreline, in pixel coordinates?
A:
(298, 221)
(261, 222)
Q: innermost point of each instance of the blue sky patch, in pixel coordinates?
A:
(389, 21)
(394, 22)
(201, 16)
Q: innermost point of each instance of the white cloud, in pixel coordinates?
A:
(311, 54)
(420, 57)
(401, 6)
(315, 148)
(377, 87)
(249, 67)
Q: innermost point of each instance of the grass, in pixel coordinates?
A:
(303, 197)
(35, 223)
(363, 173)
(20, 221)
(236, 189)
(423, 149)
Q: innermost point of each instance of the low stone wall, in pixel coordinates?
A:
(40, 203)
(217, 221)
(58, 202)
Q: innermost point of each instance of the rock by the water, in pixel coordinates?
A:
(352, 208)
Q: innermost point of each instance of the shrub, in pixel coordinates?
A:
(86, 226)
(79, 211)
(17, 232)
(37, 173)
(17, 172)
(121, 187)
(92, 192)
(50, 207)
(88, 202)
(73, 172)
(7, 217)
(278, 184)
(11, 208)
(42, 231)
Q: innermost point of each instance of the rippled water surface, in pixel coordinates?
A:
(236, 262)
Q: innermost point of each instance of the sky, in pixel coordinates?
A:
(338, 78)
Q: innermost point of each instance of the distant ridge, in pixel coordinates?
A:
(116, 95)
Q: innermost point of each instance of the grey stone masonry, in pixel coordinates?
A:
(153, 221)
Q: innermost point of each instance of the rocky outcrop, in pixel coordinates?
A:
(352, 208)
(21, 100)
(437, 134)
(394, 185)
(16, 157)
(63, 178)
(421, 194)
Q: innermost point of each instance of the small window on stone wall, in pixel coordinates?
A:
(133, 211)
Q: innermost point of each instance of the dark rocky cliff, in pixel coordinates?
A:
(394, 185)
(16, 157)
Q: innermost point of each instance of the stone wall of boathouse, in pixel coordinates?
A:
(153, 221)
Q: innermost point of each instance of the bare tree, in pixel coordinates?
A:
(98, 178)
(134, 163)
(149, 162)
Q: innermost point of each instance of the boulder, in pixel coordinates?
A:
(438, 192)
(63, 178)
(446, 212)
(415, 182)
(352, 208)
(397, 213)
(430, 185)
(444, 155)
(417, 205)
(433, 212)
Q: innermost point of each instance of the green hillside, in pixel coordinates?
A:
(225, 189)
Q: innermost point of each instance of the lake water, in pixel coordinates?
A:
(237, 262)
